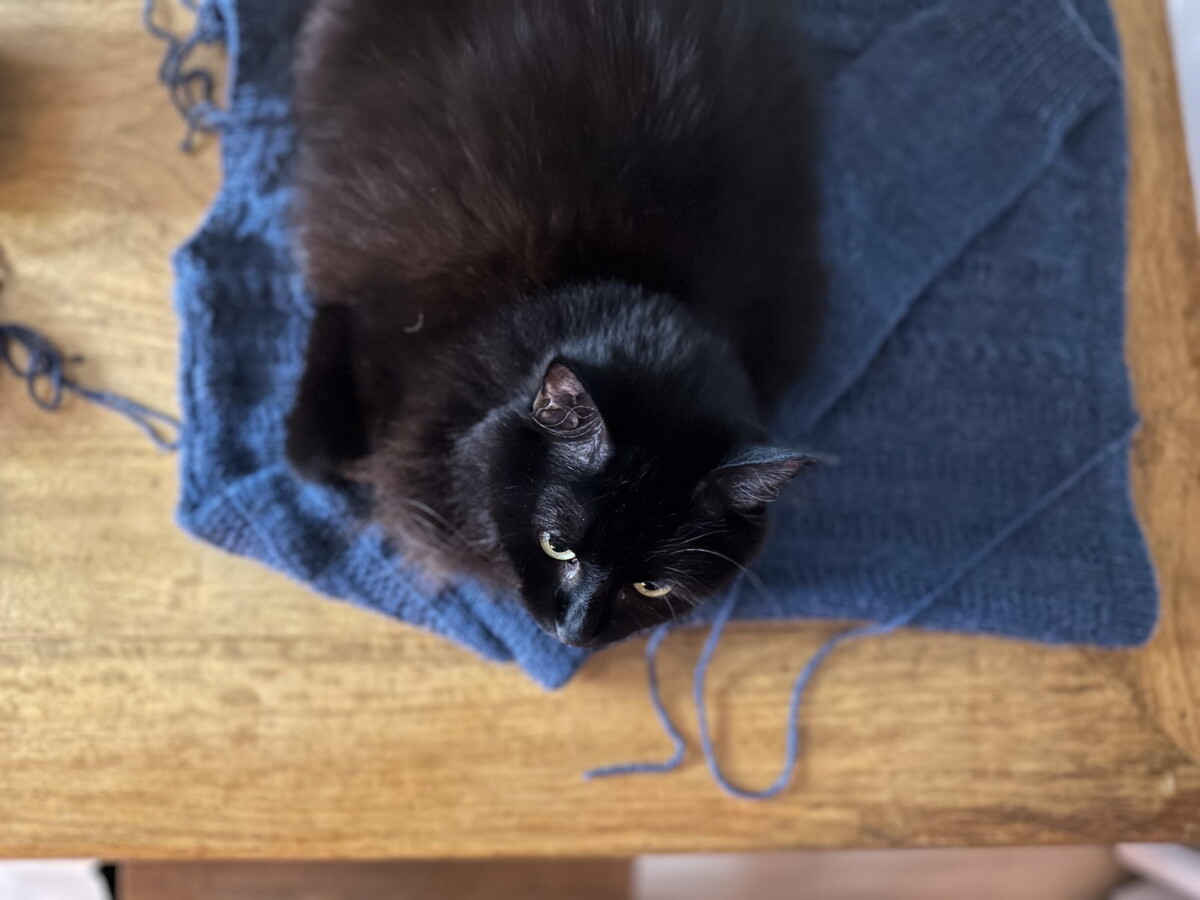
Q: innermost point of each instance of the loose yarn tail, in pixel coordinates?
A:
(676, 760)
(192, 93)
(44, 374)
(192, 89)
(906, 617)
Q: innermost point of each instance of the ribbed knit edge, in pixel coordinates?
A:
(1040, 57)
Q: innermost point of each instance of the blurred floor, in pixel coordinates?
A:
(451, 880)
(1129, 872)
(1022, 873)
(1185, 33)
(1019, 873)
(48, 879)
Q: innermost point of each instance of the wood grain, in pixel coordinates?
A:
(159, 699)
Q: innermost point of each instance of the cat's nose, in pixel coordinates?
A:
(573, 635)
(580, 622)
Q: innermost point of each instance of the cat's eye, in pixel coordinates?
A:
(554, 547)
(651, 588)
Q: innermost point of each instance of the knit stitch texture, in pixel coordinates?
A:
(973, 166)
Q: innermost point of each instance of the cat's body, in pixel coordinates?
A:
(563, 258)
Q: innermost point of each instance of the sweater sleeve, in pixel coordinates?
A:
(927, 138)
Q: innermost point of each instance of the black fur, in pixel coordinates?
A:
(564, 258)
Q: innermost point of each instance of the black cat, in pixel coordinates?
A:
(563, 253)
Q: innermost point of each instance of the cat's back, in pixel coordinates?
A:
(454, 147)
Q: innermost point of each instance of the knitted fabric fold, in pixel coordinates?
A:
(973, 175)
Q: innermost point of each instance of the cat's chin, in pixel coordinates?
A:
(596, 643)
(599, 642)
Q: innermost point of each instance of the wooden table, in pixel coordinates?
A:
(158, 698)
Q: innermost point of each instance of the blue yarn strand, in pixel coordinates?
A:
(44, 374)
(192, 93)
(792, 751)
(192, 90)
(799, 689)
(664, 719)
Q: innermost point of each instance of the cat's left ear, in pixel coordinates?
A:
(752, 476)
(566, 411)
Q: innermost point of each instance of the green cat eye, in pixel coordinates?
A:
(651, 588)
(554, 547)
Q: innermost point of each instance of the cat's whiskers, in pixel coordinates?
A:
(753, 577)
(429, 511)
(424, 530)
(679, 579)
(424, 535)
(678, 544)
(437, 532)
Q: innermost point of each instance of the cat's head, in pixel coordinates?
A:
(618, 511)
(595, 450)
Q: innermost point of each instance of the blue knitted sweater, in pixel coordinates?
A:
(970, 382)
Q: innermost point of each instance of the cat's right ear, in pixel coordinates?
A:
(565, 411)
(751, 477)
